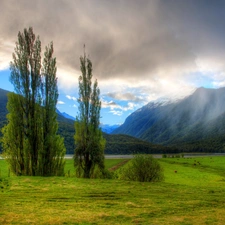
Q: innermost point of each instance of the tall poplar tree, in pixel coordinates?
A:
(14, 144)
(26, 141)
(26, 79)
(90, 144)
(53, 145)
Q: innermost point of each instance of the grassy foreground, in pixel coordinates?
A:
(194, 194)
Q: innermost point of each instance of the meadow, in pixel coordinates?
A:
(193, 192)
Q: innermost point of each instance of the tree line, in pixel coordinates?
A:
(31, 143)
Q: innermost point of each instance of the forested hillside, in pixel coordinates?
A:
(115, 144)
(66, 126)
(196, 123)
(124, 144)
(3, 110)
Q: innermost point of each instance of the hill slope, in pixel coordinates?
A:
(66, 126)
(115, 144)
(197, 120)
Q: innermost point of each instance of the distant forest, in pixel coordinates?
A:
(125, 144)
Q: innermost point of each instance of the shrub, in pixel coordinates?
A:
(142, 168)
(102, 174)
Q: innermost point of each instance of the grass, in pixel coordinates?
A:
(109, 163)
(192, 195)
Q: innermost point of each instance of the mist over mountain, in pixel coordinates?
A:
(108, 128)
(197, 118)
(193, 124)
(115, 144)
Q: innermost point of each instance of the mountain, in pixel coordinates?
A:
(66, 126)
(125, 144)
(68, 116)
(196, 122)
(3, 110)
(115, 144)
(108, 128)
(105, 127)
(65, 115)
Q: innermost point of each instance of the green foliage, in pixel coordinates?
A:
(115, 144)
(13, 141)
(53, 152)
(194, 124)
(125, 144)
(142, 168)
(193, 195)
(90, 144)
(30, 141)
(102, 174)
(66, 130)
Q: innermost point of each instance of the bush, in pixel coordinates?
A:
(105, 174)
(142, 168)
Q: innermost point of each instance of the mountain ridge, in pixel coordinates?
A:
(196, 118)
(105, 127)
(115, 144)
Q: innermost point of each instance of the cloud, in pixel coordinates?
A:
(60, 103)
(124, 96)
(139, 44)
(122, 109)
(112, 105)
(71, 97)
(5, 53)
(130, 106)
(118, 109)
(116, 113)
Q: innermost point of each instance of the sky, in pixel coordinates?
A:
(141, 51)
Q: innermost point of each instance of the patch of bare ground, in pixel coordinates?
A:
(118, 165)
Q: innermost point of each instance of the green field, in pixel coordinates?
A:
(194, 194)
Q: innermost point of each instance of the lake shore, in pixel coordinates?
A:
(158, 156)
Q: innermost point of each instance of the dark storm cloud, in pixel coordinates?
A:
(125, 39)
(201, 23)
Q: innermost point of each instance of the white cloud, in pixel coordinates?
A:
(67, 78)
(130, 106)
(110, 104)
(60, 103)
(6, 49)
(117, 113)
(117, 109)
(218, 84)
(71, 97)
